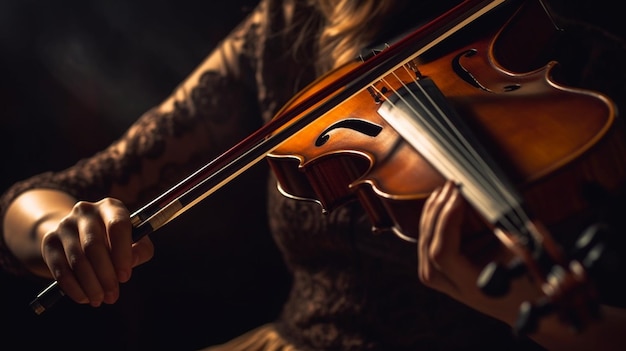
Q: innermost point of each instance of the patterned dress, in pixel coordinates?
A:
(350, 289)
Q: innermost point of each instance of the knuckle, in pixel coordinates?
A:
(117, 223)
(49, 238)
(109, 201)
(90, 243)
(82, 207)
(75, 259)
(67, 222)
(436, 254)
(61, 275)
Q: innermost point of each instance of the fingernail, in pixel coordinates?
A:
(110, 297)
(123, 275)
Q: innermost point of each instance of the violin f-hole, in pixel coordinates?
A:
(359, 125)
(468, 77)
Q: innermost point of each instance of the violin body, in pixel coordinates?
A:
(477, 81)
(553, 141)
(486, 64)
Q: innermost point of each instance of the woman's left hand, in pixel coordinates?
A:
(444, 266)
(441, 264)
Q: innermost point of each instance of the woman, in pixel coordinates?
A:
(351, 290)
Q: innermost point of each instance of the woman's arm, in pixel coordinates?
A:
(85, 246)
(73, 225)
(443, 266)
(28, 218)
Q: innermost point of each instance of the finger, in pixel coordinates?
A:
(93, 237)
(143, 251)
(445, 254)
(53, 254)
(69, 234)
(117, 224)
(430, 216)
(431, 272)
(427, 212)
(425, 235)
(446, 238)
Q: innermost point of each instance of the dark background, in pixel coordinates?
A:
(73, 76)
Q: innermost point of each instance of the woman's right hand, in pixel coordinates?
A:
(91, 251)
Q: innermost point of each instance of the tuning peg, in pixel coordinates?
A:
(590, 237)
(576, 300)
(597, 253)
(592, 249)
(529, 315)
(495, 278)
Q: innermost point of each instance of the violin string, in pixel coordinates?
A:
(460, 148)
(475, 163)
(515, 211)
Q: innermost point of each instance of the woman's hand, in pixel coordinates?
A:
(91, 251)
(444, 266)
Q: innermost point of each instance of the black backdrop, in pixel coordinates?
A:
(74, 75)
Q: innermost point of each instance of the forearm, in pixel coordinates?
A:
(28, 218)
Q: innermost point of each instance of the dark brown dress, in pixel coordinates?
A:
(351, 290)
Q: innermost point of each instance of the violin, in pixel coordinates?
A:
(484, 113)
(469, 97)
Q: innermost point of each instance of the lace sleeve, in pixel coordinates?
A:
(215, 107)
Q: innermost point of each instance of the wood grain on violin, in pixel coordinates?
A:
(470, 96)
(482, 107)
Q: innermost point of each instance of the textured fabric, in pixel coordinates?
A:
(352, 290)
(263, 338)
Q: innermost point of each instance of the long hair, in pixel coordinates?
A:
(348, 25)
